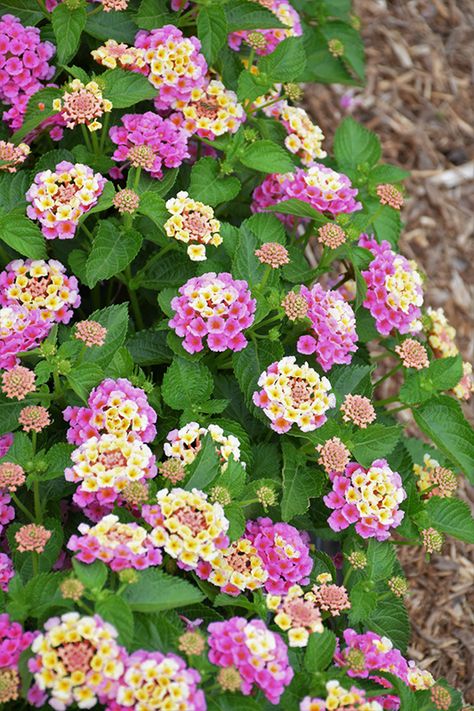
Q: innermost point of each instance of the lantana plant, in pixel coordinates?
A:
(207, 334)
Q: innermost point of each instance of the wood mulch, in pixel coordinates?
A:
(418, 99)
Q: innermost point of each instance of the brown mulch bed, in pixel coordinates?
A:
(418, 99)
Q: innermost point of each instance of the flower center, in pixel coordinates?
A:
(196, 223)
(112, 459)
(194, 520)
(300, 391)
(76, 656)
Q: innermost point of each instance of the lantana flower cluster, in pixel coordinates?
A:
(297, 614)
(215, 308)
(235, 569)
(59, 198)
(167, 144)
(339, 698)
(442, 339)
(271, 37)
(304, 137)
(185, 443)
(113, 55)
(294, 394)
(115, 407)
(259, 655)
(333, 328)
(13, 641)
(82, 104)
(193, 223)
(21, 330)
(42, 285)
(11, 156)
(211, 111)
(370, 498)
(119, 545)
(394, 289)
(432, 479)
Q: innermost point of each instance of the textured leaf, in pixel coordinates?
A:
(209, 186)
(390, 618)
(212, 30)
(116, 611)
(205, 467)
(441, 374)
(320, 651)
(112, 25)
(153, 14)
(380, 559)
(93, 576)
(286, 62)
(161, 271)
(12, 190)
(29, 14)
(112, 252)
(185, 383)
(115, 320)
(451, 516)
(84, 377)
(126, 89)
(363, 601)
(299, 484)
(23, 235)
(374, 442)
(153, 206)
(246, 15)
(149, 348)
(40, 107)
(354, 144)
(442, 420)
(156, 590)
(245, 264)
(267, 157)
(67, 25)
(250, 363)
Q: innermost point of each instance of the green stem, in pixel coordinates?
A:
(265, 277)
(95, 143)
(95, 10)
(22, 507)
(86, 231)
(391, 372)
(37, 500)
(264, 106)
(104, 131)
(87, 138)
(387, 401)
(399, 409)
(347, 577)
(35, 563)
(136, 180)
(134, 300)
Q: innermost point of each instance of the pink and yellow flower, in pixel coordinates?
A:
(287, 15)
(294, 394)
(338, 698)
(115, 55)
(185, 443)
(20, 330)
(11, 156)
(235, 569)
(297, 614)
(82, 104)
(193, 223)
(211, 111)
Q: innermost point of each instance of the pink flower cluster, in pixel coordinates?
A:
(394, 289)
(23, 66)
(13, 641)
(6, 442)
(168, 142)
(20, 330)
(270, 192)
(114, 407)
(333, 325)
(322, 188)
(214, 307)
(271, 37)
(40, 284)
(370, 498)
(259, 655)
(119, 545)
(284, 552)
(163, 680)
(367, 653)
(176, 65)
(6, 571)
(59, 198)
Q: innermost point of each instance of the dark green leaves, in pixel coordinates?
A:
(250, 363)
(451, 516)
(126, 89)
(390, 619)
(92, 576)
(299, 484)
(320, 650)
(209, 185)
(40, 107)
(156, 591)
(286, 63)
(354, 144)
(23, 235)
(267, 157)
(246, 15)
(115, 320)
(67, 25)
(441, 374)
(442, 420)
(152, 14)
(374, 442)
(112, 252)
(186, 383)
(212, 30)
(205, 467)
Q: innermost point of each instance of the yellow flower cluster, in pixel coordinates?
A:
(110, 461)
(297, 614)
(185, 443)
(260, 642)
(375, 493)
(190, 526)
(338, 698)
(113, 55)
(66, 195)
(77, 657)
(41, 285)
(82, 104)
(441, 335)
(419, 679)
(404, 288)
(238, 566)
(111, 533)
(304, 137)
(150, 684)
(193, 223)
(211, 111)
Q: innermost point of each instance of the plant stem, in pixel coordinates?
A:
(388, 374)
(35, 563)
(103, 133)
(87, 231)
(136, 180)
(37, 500)
(387, 401)
(22, 507)
(95, 143)
(134, 300)
(87, 138)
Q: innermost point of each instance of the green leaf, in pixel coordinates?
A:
(347, 379)
(205, 467)
(451, 516)
(12, 190)
(105, 200)
(115, 320)
(93, 576)
(374, 442)
(245, 264)
(250, 86)
(442, 420)
(319, 651)
(352, 43)
(388, 224)
(298, 208)
(159, 187)
(267, 228)
(212, 30)
(23, 9)
(208, 185)
(40, 107)
(126, 89)
(112, 25)
(57, 458)
(149, 348)
(390, 619)
(153, 206)
(49, 160)
(68, 25)
(118, 613)
(186, 383)
(286, 62)
(9, 412)
(237, 520)
(233, 478)
(162, 271)
(441, 374)
(267, 157)
(250, 363)
(112, 251)
(153, 14)
(299, 484)
(22, 235)
(387, 174)
(246, 15)
(354, 144)
(84, 377)
(381, 558)
(363, 601)
(21, 450)
(156, 591)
